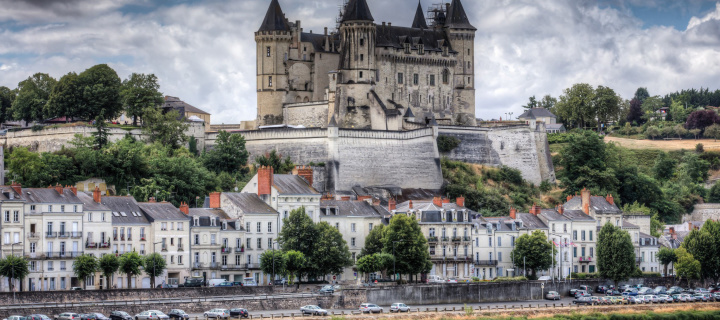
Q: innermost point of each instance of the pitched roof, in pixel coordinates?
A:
(208, 212)
(531, 221)
(628, 225)
(409, 113)
(290, 184)
(552, 214)
(419, 22)
(133, 214)
(396, 37)
(162, 211)
(357, 10)
(351, 209)
(274, 19)
(535, 113)
(249, 203)
(177, 104)
(89, 203)
(554, 126)
(49, 195)
(457, 18)
(333, 122)
(7, 193)
(597, 204)
(205, 215)
(577, 215)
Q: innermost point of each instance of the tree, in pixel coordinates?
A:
(650, 106)
(664, 168)
(274, 160)
(652, 132)
(641, 94)
(14, 267)
(108, 265)
(713, 131)
(154, 266)
(368, 264)
(680, 131)
(533, 251)
(606, 104)
(704, 246)
(548, 102)
(331, 253)
(228, 155)
(686, 267)
(33, 94)
(298, 234)
(85, 266)
(447, 143)
(373, 241)
(7, 96)
(139, 92)
(576, 104)
(585, 163)
(100, 88)
(695, 133)
(294, 263)
(714, 194)
(405, 241)
(130, 263)
(666, 256)
(615, 253)
(273, 262)
(168, 129)
(702, 119)
(531, 104)
(635, 114)
(65, 99)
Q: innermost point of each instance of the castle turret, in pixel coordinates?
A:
(419, 21)
(462, 39)
(273, 45)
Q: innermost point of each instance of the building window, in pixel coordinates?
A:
(362, 42)
(352, 227)
(564, 227)
(370, 226)
(582, 251)
(62, 208)
(362, 57)
(353, 257)
(421, 49)
(400, 78)
(247, 226)
(249, 241)
(259, 243)
(270, 243)
(499, 242)
(90, 216)
(512, 241)
(361, 74)
(258, 227)
(499, 256)
(432, 232)
(270, 227)
(446, 76)
(416, 79)
(592, 253)
(268, 51)
(352, 242)
(270, 81)
(575, 252)
(574, 234)
(407, 48)
(582, 235)
(432, 80)
(102, 216)
(591, 239)
(7, 216)
(337, 225)
(490, 242)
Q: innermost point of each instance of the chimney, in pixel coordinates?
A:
(561, 209)
(265, 180)
(568, 198)
(96, 195)
(445, 200)
(364, 198)
(460, 201)
(672, 230)
(383, 23)
(585, 193)
(513, 213)
(215, 200)
(325, 30)
(185, 208)
(610, 199)
(73, 189)
(305, 172)
(437, 201)
(392, 205)
(375, 202)
(17, 187)
(152, 200)
(389, 24)
(410, 204)
(345, 198)
(535, 210)
(59, 188)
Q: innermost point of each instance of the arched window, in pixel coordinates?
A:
(446, 76)
(306, 99)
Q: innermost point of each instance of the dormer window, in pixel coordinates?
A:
(421, 49)
(407, 48)
(445, 51)
(197, 221)
(224, 226)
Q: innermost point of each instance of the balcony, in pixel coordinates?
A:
(486, 263)
(226, 250)
(432, 252)
(91, 245)
(115, 237)
(63, 234)
(51, 234)
(456, 239)
(240, 249)
(432, 239)
(252, 266)
(445, 239)
(466, 238)
(142, 237)
(104, 244)
(585, 259)
(180, 247)
(233, 267)
(164, 248)
(639, 260)
(63, 254)
(34, 255)
(33, 235)
(122, 237)
(197, 265)
(129, 238)
(76, 234)
(50, 269)
(214, 265)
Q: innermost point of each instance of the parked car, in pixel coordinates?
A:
(602, 289)
(701, 290)
(217, 313)
(452, 280)
(313, 310)
(15, 318)
(37, 317)
(666, 298)
(151, 315)
(120, 315)
(606, 300)
(552, 295)
(435, 279)
(660, 290)
(178, 314)
(249, 282)
(93, 316)
(704, 297)
(280, 282)
(645, 291)
(225, 284)
(633, 300)
(76, 288)
(399, 307)
(597, 300)
(674, 290)
(67, 316)
(193, 282)
(239, 312)
(625, 287)
(716, 296)
(582, 293)
(370, 308)
(686, 297)
(328, 289)
(630, 292)
(584, 300)
(612, 292)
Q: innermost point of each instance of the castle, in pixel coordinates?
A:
(367, 75)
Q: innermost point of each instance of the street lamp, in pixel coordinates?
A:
(272, 280)
(395, 258)
(154, 243)
(12, 252)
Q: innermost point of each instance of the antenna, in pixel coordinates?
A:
(341, 13)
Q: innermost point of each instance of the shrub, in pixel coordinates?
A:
(699, 148)
(508, 279)
(37, 127)
(447, 143)
(545, 186)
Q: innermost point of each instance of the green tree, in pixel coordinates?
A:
(130, 263)
(14, 267)
(704, 246)
(273, 262)
(712, 131)
(606, 105)
(33, 94)
(447, 143)
(373, 241)
(534, 252)
(404, 239)
(686, 267)
(65, 99)
(85, 266)
(548, 102)
(576, 104)
(25, 166)
(652, 132)
(368, 264)
(642, 94)
(228, 154)
(695, 133)
(100, 87)
(585, 163)
(192, 146)
(168, 129)
(615, 254)
(108, 265)
(714, 194)
(650, 106)
(294, 263)
(274, 160)
(299, 234)
(7, 96)
(664, 168)
(331, 253)
(533, 103)
(154, 266)
(139, 92)
(666, 256)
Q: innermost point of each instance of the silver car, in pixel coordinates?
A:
(15, 318)
(217, 314)
(151, 315)
(313, 310)
(399, 307)
(66, 316)
(370, 308)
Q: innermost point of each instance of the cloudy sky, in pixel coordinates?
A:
(204, 51)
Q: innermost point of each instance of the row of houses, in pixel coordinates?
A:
(226, 237)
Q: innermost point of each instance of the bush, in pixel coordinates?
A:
(545, 186)
(699, 148)
(37, 127)
(447, 143)
(557, 138)
(508, 279)
(580, 276)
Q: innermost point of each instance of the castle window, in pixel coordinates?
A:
(362, 57)
(421, 49)
(304, 49)
(268, 51)
(416, 79)
(270, 81)
(407, 48)
(446, 76)
(362, 42)
(468, 63)
(361, 74)
(400, 78)
(468, 51)
(432, 80)
(468, 81)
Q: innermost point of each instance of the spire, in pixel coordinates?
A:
(333, 123)
(409, 113)
(357, 10)
(457, 18)
(274, 19)
(419, 22)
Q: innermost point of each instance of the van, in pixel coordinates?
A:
(193, 282)
(435, 279)
(249, 282)
(215, 282)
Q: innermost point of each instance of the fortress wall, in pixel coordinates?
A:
(308, 114)
(52, 139)
(301, 145)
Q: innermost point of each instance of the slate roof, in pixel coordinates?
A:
(648, 240)
(535, 113)
(162, 211)
(333, 123)
(274, 19)
(396, 36)
(289, 184)
(249, 203)
(457, 18)
(409, 113)
(318, 40)
(128, 205)
(205, 215)
(89, 204)
(7, 193)
(49, 195)
(207, 212)
(428, 205)
(597, 204)
(554, 126)
(628, 225)
(351, 209)
(500, 223)
(419, 21)
(182, 106)
(531, 221)
(357, 10)
(553, 215)
(577, 215)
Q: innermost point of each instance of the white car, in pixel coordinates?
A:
(217, 314)
(370, 308)
(313, 310)
(399, 307)
(15, 318)
(151, 315)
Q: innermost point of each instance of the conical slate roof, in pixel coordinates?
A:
(409, 113)
(419, 22)
(357, 10)
(457, 18)
(333, 123)
(274, 19)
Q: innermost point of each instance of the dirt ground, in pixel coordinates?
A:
(666, 145)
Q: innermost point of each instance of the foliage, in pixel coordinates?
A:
(130, 263)
(84, 266)
(404, 239)
(699, 148)
(534, 251)
(7, 96)
(666, 256)
(606, 104)
(368, 264)
(641, 94)
(584, 162)
(373, 241)
(686, 267)
(108, 265)
(298, 234)
(510, 279)
(447, 143)
(615, 253)
(649, 107)
(139, 92)
(575, 105)
(635, 114)
(714, 195)
(331, 253)
(33, 94)
(274, 160)
(66, 97)
(294, 263)
(167, 129)
(704, 246)
(713, 131)
(273, 262)
(664, 168)
(533, 103)
(14, 267)
(100, 93)
(192, 146)
(154, 266)
(229, 154)
(702, 119)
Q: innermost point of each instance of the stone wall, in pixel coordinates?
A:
(704, 212)
(311, 115)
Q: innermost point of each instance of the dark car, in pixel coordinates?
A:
(193, 282)
(237, 284)
(239, 312)
(120, 315)
(93, 316)
(584, 300)
(178, 314)
(37, 317)
(602, 289)
(612, 292)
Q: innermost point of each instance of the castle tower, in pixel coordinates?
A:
(419, 21)
(273, 45)
(462, 39)
(357, 43)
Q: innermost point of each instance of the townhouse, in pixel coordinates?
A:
(170, 238)
(97, 239)
(13, 226)
(131, 231)
(216, 244)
